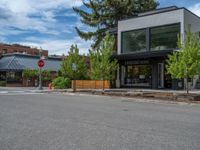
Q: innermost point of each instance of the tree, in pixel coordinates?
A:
(34, 75)
(46, 75)
(103, 15)
(29, 75)
(74, 57)
(102, 66)
(185, 63)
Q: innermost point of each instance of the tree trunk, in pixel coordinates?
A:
(187, 86)
(103, 85)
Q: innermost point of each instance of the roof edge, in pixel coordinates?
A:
(159, 12)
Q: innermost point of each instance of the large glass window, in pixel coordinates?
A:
(165, 37)
(137, 75)
(2, 76)
(14, 77)
(133, 41)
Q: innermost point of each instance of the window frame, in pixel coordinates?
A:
(161, 27)
(135, 30)
(148, 37)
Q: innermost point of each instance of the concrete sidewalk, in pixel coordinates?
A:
(117, 90)
(170, 95)
(197, 91)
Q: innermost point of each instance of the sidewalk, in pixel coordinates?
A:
(170, 95)
(195, 91)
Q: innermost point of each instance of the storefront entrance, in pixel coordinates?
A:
(144, 74)
(136, 75)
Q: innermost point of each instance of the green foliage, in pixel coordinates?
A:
(103, 15)
(74, 57)
(46, 75)
(61, 83)
(2, 83)
(29, 74)
(186, 62)
(102, 66)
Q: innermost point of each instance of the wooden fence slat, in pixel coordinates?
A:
(91, 84)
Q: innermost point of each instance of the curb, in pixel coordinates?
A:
(158, 96)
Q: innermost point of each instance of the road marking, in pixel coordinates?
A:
(5, 93)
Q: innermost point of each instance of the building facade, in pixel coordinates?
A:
(16, 48)
(12, 66)
(145, 41)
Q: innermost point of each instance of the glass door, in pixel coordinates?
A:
(160, 75)
(137, 75)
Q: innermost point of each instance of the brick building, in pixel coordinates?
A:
(16, 48)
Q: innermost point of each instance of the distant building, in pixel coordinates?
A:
(12, 66)
(16, 48)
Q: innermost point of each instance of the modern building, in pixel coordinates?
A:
(12, 66)
(16, 48)
(145, 41)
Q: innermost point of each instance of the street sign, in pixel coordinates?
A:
(73, 66)
(41, 63)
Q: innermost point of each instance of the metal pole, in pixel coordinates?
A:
(40, 79)
(40, 72)
(74, 75)
(74, 83)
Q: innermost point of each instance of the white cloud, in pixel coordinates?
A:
(33, 6)
(17, 13)
(58, 46)
(195, 9)
(23, 16)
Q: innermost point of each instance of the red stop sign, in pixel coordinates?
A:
(41, 63)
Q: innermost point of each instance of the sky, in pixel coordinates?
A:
(51, 24)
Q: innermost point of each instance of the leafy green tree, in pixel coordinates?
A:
(185, 63)
(103, 15)
(74, 57)
(34, 74)
(102, 66)
(46, 75)
(29, 73)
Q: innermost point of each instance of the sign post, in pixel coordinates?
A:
(74, 70)
(40, 65)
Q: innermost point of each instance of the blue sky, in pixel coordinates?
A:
(50, 24)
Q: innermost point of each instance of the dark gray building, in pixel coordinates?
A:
(12, 66)
(144, 43)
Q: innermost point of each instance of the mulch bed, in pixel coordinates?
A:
(167, 96)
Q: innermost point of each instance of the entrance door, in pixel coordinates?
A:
(160, 75)
(137, 75)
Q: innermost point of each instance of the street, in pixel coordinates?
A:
(30, 121)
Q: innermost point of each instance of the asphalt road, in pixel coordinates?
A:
(69, 122)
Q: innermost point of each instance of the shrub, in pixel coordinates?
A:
(61, 83)
(2, 83)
